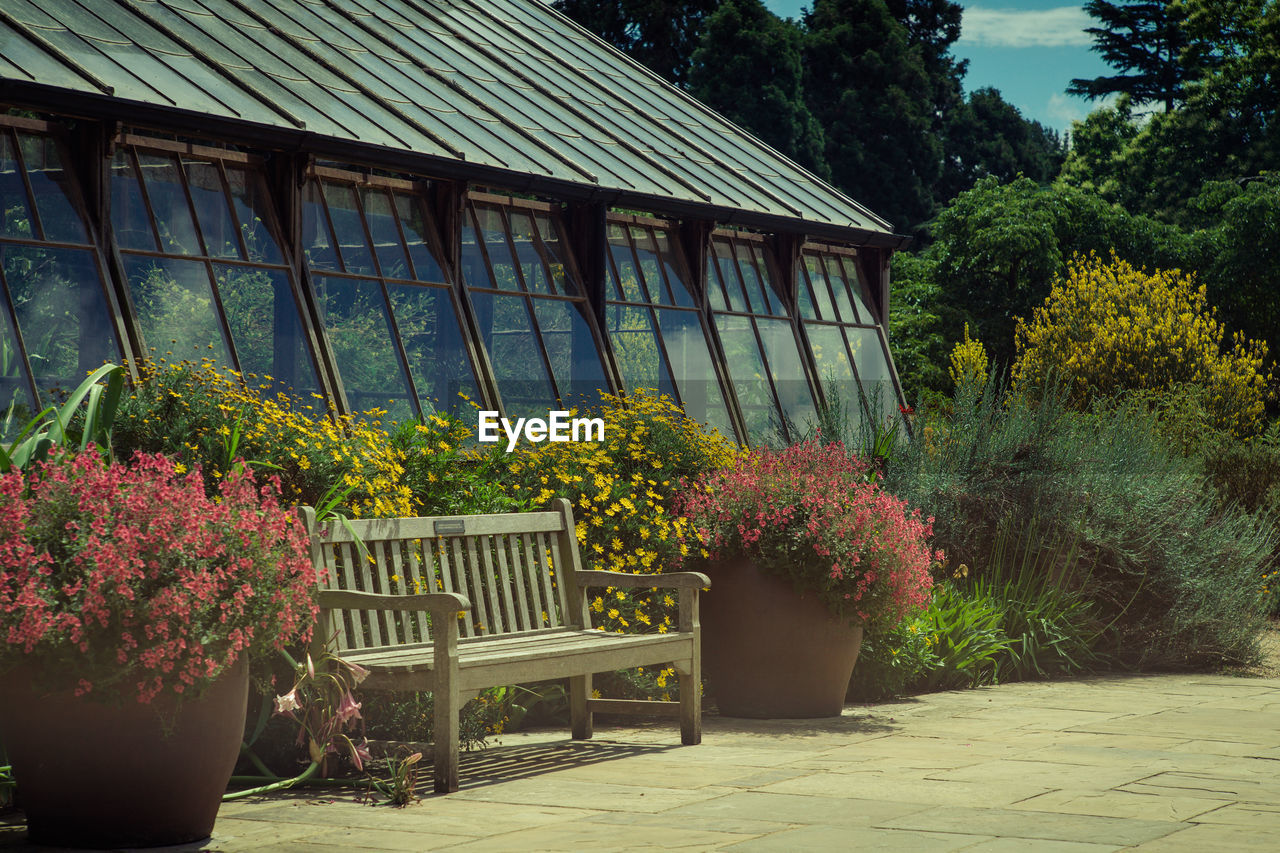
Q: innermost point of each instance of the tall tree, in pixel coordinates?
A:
(1145, 41)
(660, 34)
(748, 68)
(867, 87)
(989, 136)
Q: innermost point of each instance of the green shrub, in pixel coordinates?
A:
(965, 633)
(1174, 578)
(893, 661)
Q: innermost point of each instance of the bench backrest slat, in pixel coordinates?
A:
(519, 612)
(509, 566)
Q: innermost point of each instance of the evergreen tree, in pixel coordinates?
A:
(988, 136)
(748, 68)
(660, 34)
(1145, 41)
(868, 89)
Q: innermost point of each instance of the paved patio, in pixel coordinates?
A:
(1152, 763)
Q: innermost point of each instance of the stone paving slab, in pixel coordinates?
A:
(1166, 764)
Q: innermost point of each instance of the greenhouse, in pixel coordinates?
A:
(415, 205)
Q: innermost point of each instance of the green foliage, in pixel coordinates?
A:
(747, 67)
(66, 425)
(1037, 580)
(893, 661)
(918, 315)
(1145, 41)
(988, 136)
(863, 73)
(1174, 578)
(966, 637)
(660, 34)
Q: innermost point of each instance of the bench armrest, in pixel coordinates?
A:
(662, 580)
(432, 602)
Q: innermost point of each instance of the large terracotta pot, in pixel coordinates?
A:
(769, 651)
(114, 774)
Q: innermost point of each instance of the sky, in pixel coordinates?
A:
(1028, 49)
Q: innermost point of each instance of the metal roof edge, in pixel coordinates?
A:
(44, 98)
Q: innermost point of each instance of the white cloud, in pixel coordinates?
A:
(1060, 27)
(1063, 109)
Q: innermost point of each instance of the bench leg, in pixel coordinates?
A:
(579, 715)
(691, 704)
(448, 705)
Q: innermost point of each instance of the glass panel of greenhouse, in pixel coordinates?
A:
(203, 266)
(56, 323)
(530, 309)
(759, 341)
(389, 315)
(658, 337)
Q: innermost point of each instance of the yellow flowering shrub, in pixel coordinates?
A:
(202, 414)
(1108, 327)
(968, 362)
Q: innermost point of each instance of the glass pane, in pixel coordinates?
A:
(635, 344)
(715, 287)
(575, 361)
(13, 194)
(821, 295)
(506, 330)
(750, 383)
(804, 296)
(840, 288)
(438, 360)
(650, 265)
(475, 272)
(756, 287)
(723, 252)
(835, 373)
(317, 242)
(535, 272)
(552, 245)
(14, 395)
(62, 314)
(873, 369)
(355, 317)
(212, 211)
(861, 299)
(494, 233)
(680, 289)
(787, 369)
(348, 228)
(613, 288)
(129, 220)
(691, 367)
(169, 204)
(628, 277)
(393, 258)
(173, 300)
(253, 209)
(265, 328)
(414, 223)
(51, 185)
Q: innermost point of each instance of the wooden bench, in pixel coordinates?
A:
(454, 605)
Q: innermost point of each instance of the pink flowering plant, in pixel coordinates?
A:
(813, 513)
(128, 574)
